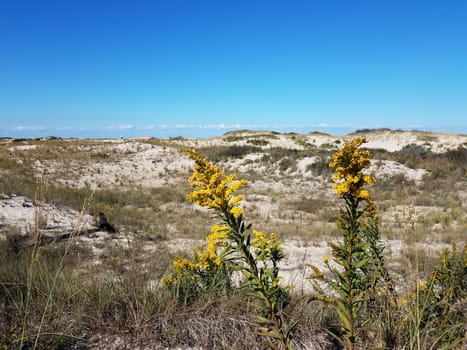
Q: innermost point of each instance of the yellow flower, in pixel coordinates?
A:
(260, 241)
(205, 260)
(236, 211)
(369, 180)
(217, 238)
(363, 194)
(218, 261)
(236, 199)
(342, 189)
(325, 259)
(181, 264)
(265, 247)
(349, 162)
(218, 232)
(212, 188)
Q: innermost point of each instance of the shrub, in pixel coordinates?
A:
(222, 153)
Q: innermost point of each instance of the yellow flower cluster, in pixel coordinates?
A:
(216, 239)
(184, 269)
(349, 163)
(181, 265)
(205, 258)
(214, 189)
(266, 247)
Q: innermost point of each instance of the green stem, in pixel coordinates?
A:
(253, 271)
(352, 308)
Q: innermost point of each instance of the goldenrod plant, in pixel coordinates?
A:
(357, 267)
(234, 243)
(205, 273)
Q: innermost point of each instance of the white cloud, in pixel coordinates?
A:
(29, 128)
(119, 127)
(149, 127)
(125, 127)
(189, 130)
(72, 128)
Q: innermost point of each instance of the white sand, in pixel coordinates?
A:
(149, 165)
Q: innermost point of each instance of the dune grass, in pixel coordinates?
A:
(55, 297)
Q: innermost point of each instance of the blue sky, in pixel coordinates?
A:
(198, 68)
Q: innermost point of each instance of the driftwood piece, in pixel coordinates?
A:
(21, 242)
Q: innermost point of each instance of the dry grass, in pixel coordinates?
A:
(124, 297)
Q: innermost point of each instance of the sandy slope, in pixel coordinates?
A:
(152, 165)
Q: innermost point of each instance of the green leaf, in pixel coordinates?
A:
(361, 263)
(288, 335)
(344, 315)
(264, 320)
(335, 336)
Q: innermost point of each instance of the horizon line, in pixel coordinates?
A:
(206, 130)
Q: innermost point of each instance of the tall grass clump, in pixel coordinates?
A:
(44, 300)
(436, 308)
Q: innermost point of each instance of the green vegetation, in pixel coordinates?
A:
(228, 292)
